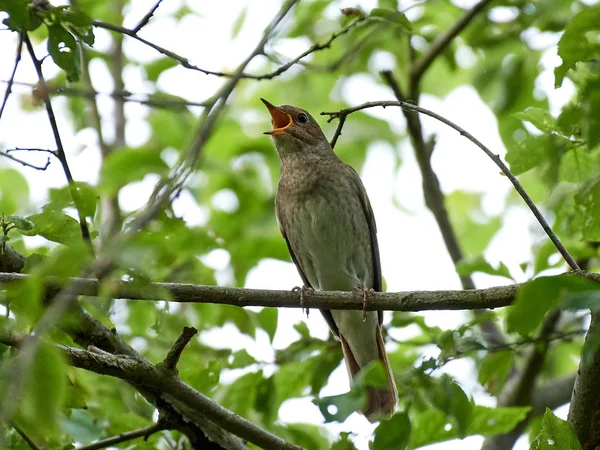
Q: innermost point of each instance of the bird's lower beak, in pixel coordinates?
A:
(281, 120)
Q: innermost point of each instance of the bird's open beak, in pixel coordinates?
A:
(281, 120)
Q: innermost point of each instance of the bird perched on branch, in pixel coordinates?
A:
(326, 220)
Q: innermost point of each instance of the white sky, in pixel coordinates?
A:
(410, 243)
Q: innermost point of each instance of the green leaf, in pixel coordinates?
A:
(20, 16)
(539, 296)
(46, 389)
(239, 22)
(267, 320)
(62, 198)
(142, 315)
(302, 328)
(527, 153)
(467, 266)
(577, 44)
(395, 17)
(337, 408)
(576, 165)
(82, 426)
(14, 191)
(55, 226)
(539, 118)
(20, 223)
(241, 358)
(158, 66)
(64, 51)
(343, 443)
(494, 370)
(556, 434)
(392, 434)
(129, 165)
(587, 199)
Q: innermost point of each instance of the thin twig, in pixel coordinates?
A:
(496, 158)
(142, 23)
(25, 163)
(186, 63)
(144, 432)
(152, 100)
(61, 155)
(12, 75)
(338, 131)
(440, 44)
(172, 358)
(24, 436)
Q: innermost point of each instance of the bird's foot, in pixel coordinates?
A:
(367, 295)
(303, 290)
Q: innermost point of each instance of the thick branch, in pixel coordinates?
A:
(141, 372)
(496, 158)
(172, 358)
(584, 413)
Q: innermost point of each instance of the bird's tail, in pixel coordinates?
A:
(381, 402)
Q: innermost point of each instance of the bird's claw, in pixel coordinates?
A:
(302, 291)
(367, 294)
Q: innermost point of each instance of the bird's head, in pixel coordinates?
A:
(294, 130)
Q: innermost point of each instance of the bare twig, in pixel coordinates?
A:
(144, 432)
(62, 157)
(25, 163)
(151, 100)
(496, 158)
(242, 75)
(172, 358)
(24, 436)
(440, 44)
(142, 23)
(31, 149)
(12, 75)
(495, 297)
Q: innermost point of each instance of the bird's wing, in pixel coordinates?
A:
(326, 313)
(370, 218)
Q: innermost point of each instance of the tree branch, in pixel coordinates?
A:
(172, 358)
(242, 75)
(495, 297)
(442, 42)
(24, 436)
(584, 413)
(12, 75)
(496, 158)
(25, 163)
(142, 23)
(60, 153)
(141, 372)
(144, 432)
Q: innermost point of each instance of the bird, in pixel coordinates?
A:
(327, 222)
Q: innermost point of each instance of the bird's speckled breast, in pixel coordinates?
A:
(321, 213)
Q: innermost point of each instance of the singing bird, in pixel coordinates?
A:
(326, 220)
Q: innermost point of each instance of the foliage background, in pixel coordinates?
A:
(496, 79)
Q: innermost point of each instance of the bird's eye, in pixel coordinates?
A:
(302, 118)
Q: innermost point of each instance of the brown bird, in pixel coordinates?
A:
(326, 220)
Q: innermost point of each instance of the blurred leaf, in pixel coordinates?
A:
(55, 226)
(155, 68)
(393, 16)
(267, 320)
(574, 45)
(14, 191)
(20, 15)
(239, 22)
(539, 118)
(468, 266)
(45, 391)
(127, 165)
(576, 165)
(337, 408)
(62, 198)
(393, 433)
(82, 427)
(527, 153)
(494, 370)
(556, 434)
(241, 358)
(343, 443)
(587, 198)
(539, 296)
(20, 223)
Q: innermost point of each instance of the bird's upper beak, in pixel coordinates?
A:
(281, 120)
